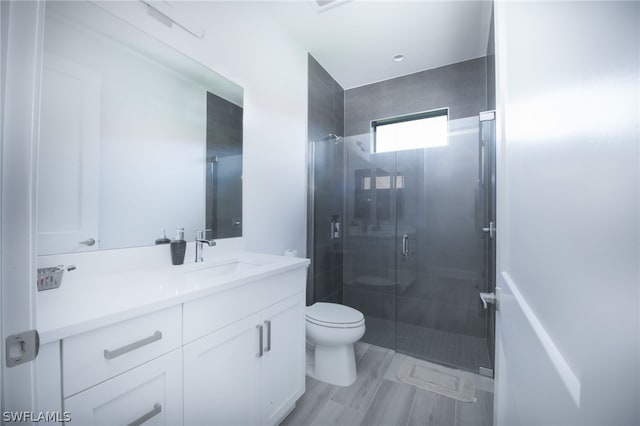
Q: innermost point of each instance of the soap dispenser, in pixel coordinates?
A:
(163, 238)
(178, 247)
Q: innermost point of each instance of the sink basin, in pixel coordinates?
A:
(229, 268)
(232, 266)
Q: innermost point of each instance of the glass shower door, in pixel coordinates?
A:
(441, 262)
(415, 255)
(411, 317)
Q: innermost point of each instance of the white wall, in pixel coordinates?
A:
(569, 108)
(242, 44)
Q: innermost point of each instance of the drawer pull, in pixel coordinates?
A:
(132, 346)
(157, 408)
(268, 348)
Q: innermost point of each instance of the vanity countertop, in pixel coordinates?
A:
(89, 300)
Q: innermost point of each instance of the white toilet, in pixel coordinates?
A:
(332, 329)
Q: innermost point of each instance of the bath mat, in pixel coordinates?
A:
(445, 381)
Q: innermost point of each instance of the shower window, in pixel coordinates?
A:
(382, 182)
(414, 131)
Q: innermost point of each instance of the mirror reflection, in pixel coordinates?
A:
(135, 138)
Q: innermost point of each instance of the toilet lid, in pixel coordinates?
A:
(333, 313)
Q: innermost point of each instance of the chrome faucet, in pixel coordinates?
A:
(200, 240)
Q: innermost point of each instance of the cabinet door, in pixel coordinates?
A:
(149, 394)
(283, 372)
(221, 378)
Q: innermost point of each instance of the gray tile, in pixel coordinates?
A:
(333, 413)
(397, 360)
(325, 116)
(371, 369)
(484, 383)
(460, 86)
(387, 399)
(309, 405)
(379, 332)
(360, 348)
(432, 409)
(478, 413)
(450, 349)
(391, 405)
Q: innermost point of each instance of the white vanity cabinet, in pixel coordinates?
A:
(231, 354)
(250, 372)
(126, 373)
(282, 372)
(149, 394)
(92, 357)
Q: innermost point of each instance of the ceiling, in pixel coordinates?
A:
(356, 40)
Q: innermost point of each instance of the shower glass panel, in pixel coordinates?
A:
(415, 255)
(370, 238)
(488, 185)
(326, 220)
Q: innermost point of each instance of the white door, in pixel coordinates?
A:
(283, 361)
(69, 157)
(568, 108)
(221, 376)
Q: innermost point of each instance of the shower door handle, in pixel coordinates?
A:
(491, 229)
(405, 245)
(489, 298)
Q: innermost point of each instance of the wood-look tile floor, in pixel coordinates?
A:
(378, 398)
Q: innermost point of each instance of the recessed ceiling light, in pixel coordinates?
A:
(398, 58)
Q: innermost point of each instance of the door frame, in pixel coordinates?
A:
(21, 82)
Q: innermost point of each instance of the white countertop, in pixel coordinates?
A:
(89, 298)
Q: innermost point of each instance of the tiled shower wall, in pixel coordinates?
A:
(449, 301)
(460, 86)
(326, 116)
(224, 141)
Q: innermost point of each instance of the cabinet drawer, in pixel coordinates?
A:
(204, 316)
(149, 394)
(95, 356)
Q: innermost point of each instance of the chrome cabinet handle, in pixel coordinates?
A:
(157, 408)
(132, 346)
(260, 342)
(88, 242)
(268, 324)
(405, 245)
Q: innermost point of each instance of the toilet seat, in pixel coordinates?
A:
(334, 315)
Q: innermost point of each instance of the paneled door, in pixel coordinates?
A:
(68, 186)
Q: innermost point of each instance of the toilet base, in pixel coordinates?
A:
(335, 365)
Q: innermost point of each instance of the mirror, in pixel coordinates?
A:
(135, 138)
